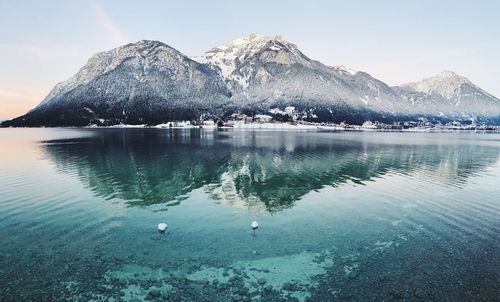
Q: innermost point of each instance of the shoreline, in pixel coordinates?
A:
(287, 126)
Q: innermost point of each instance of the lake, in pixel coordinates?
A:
(348, 216)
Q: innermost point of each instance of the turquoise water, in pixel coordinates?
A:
(343, 216)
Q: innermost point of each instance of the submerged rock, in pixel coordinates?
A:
(243, 291)
(237, 298)
(288, 286)
(234, 290)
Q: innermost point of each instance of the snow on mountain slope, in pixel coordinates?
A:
(140, 82)
(271, 72)
(267, 72)
(444, 84)
(450, 95)
(345, 70)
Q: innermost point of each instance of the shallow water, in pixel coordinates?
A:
(343, 216)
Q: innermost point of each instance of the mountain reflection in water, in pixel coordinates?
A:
(261, 170)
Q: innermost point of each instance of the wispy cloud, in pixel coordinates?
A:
(33, 51)
(106, 23)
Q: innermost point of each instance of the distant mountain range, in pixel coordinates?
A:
(149, 82)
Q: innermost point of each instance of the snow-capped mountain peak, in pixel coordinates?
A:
(452, 95)
(450, 74)
(227, 57)
(147, 51)
(445, 84)
(251, 40)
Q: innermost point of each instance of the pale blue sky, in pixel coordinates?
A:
(45, 42)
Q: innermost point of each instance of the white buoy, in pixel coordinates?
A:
(254, 225)
(162, 227)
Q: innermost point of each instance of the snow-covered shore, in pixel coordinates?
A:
(294, 127)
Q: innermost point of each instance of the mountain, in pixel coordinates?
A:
(265, 73)
(149, 82)
(268, 74)
(451, 96)
(144, 82)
